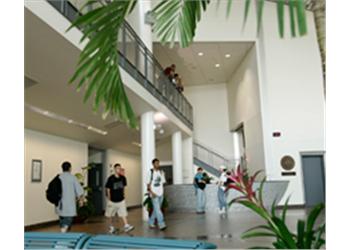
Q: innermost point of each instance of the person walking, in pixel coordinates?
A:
(221, 190)
(156, 180)
(200, 183)
(116, 199)
(71, 191)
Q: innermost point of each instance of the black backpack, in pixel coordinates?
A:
(54, 191)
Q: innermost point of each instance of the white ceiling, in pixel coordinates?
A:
(49, 63)
(199, 70)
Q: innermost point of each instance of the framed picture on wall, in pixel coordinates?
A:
(36, 170)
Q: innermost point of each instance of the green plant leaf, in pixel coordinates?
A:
(261, 191)
(280, 16)
(257, 234)
(292, 17)
(285, 234)
(260, 13)
(265, 227)
(311, 219)
(255, 208)
(259, 247)
(229, 6)
(301, 17)
(301, 234)
(246, 11)
(285, 209)
(273, 207)
(319, 242)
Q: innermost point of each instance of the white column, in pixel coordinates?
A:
(187, 159)
(176, 140)
(147, 152)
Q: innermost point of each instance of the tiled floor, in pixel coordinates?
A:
(224, 232)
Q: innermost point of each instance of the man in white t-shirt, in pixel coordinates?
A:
(221, 190)
(156, 180)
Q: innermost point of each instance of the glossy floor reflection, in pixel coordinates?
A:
(223, 231)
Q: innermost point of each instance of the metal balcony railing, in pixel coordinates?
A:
(140, 63)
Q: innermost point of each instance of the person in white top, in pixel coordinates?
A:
(221, 190)
(156, 180)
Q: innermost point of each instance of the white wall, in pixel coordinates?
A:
(210, 117)
(52, 150)
(292, 100)
(132, 165)
(244, 107)
(164, 151)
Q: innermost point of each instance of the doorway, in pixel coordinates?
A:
(95, 178)
(314, 178)
(239, 146)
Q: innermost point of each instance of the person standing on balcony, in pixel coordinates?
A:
(156, 180)
(178, 83)
(116, 202)
(221, 190)
(199, 184)
(170, 72)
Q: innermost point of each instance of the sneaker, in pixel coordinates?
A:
(128, 228)
(162, 228)
(112, 230)
(64, 229)
(152, 226)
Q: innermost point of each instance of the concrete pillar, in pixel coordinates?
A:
(176, 140)
(187, 159)
(147, 152)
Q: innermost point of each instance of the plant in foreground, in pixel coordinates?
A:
(308, 236)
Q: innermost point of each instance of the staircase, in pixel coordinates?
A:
(210, 160)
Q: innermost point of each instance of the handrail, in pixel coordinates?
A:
(212, 158)
(141, 64)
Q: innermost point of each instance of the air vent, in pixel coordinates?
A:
(28, 82)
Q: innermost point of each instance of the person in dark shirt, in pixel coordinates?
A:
(115, 199)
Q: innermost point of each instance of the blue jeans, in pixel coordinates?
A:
(201, 199)
(66, 221)
(157, 212)
(222, 198)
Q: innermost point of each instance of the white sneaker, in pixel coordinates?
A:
(128, 228)
(112, 230)
(221, 211)
(64, 229)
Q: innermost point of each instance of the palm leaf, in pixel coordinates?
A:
(246, 11)
(177, 17)
(300, 9)
(260, 13)
(257, 234)
(319, 242)
(292, 17)
(280, 16)
(98, 63)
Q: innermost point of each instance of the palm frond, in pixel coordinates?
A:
(177, 18)
(98, 68)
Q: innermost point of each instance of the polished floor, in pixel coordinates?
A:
(211, 227)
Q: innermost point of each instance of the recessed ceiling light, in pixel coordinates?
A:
(200, 53)
(227, 55)
(161, 131)
(217, 65)
(159, 117)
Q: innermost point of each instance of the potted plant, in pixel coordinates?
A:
(149, 206)
(307, 236)
(85, 211)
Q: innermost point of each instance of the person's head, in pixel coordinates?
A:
(66, 166)
(155, 163)
(200, 170)
(117, 168)
(176, 76)
(223, 168)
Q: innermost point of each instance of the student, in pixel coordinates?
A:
(221, 190)
(156, 180)
(71, 191)
(200, 183)
(178, 83)
(115, 199)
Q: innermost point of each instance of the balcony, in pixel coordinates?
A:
(136, 59)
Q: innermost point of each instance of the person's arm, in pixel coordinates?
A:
(108, 189)
(79, 192)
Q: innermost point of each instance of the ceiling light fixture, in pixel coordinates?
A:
(161, 131)
(217, 65)
(159, 117)
(200, 53)
(64, 119)
(227, 55)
